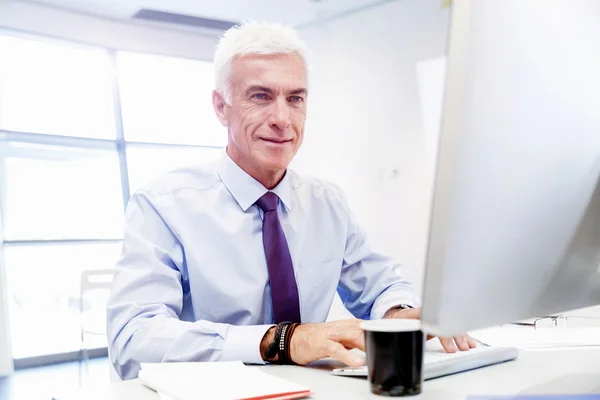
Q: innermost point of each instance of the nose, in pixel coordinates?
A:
(280, 114)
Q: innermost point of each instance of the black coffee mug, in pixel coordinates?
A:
(394, 350)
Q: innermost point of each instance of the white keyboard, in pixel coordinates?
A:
(439, 363)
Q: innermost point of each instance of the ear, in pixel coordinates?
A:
(221, 108)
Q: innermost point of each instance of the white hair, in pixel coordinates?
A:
(253, 38)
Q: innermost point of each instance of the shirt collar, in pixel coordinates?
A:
(245, 189)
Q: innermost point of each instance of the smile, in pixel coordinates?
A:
(275, 141)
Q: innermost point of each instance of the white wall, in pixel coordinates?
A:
(431, 75)
(44, 20)
(364, 119)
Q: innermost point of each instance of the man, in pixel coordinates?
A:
(215, 255)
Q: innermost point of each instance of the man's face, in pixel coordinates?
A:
(267, 112)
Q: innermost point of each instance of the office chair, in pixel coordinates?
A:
(92, 313)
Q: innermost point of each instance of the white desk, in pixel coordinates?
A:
(535, 372)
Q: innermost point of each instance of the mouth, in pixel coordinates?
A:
(276, 141)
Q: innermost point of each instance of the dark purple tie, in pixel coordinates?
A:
(284, 292)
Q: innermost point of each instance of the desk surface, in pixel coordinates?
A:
(575, 370)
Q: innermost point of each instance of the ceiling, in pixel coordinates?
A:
(292, 12)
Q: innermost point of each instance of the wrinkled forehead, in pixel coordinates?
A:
(278, 72)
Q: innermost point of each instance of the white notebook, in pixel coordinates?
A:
(217, 381)
(438, 363)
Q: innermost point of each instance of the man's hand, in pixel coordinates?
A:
(311, 342)
(451, 345)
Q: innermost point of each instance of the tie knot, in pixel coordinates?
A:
(268, 202)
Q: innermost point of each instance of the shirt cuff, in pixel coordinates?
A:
(389, 300)
(243, 344)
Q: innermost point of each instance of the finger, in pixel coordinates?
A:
(353, 344)
(356, 340)
(359, 343)
(461, 342)
(339, 352)
(352, 337)
(471, 342)
(448, 345)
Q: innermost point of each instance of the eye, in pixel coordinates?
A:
(296, 99)
(261, 96)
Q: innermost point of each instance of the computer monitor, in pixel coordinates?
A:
(515, 219)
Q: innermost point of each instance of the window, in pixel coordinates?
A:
(55, 89)
(175, 108)
(65, 164)
(55, 192)
(43, 291)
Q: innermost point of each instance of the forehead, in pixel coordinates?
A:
(272, 70)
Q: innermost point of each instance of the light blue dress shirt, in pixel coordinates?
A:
(192, 281)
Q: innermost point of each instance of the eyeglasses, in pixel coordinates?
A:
(559, 321)
(549, 321)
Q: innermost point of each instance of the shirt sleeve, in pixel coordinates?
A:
(371, 283)
(146, 301)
